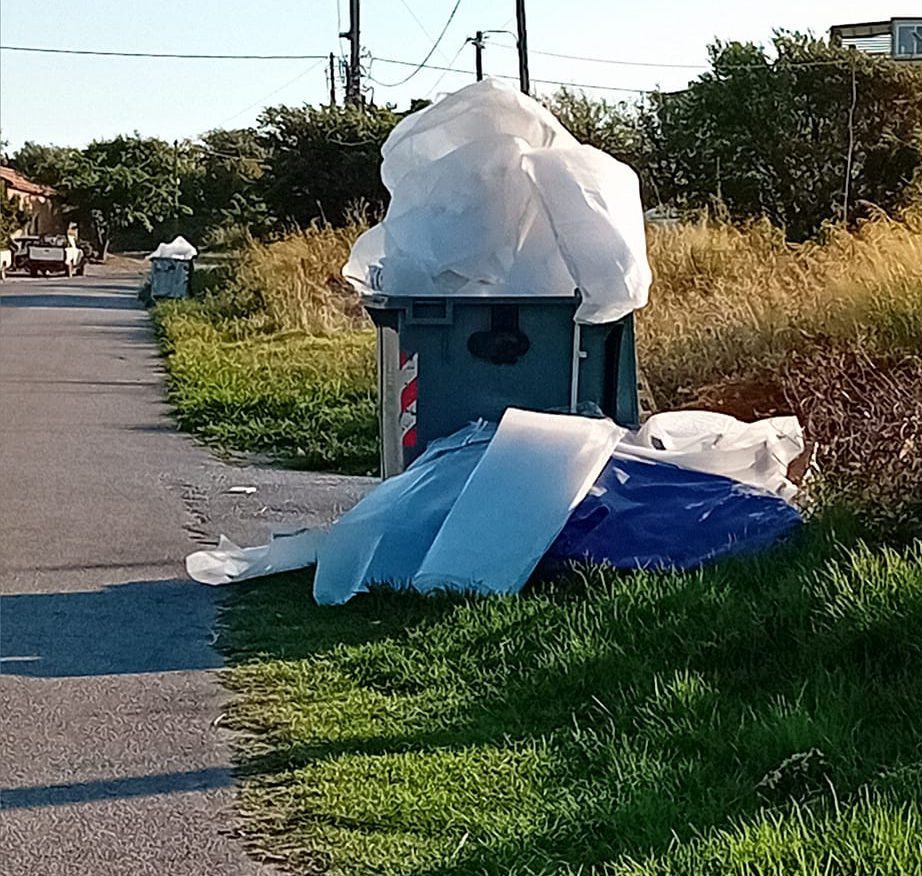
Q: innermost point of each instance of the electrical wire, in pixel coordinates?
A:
(657, 64)
(612, 61)
(425, 60)
(515, 78)
(172, 55)
(262, 100)
(233, 57)
(421, 26)
(438, 81)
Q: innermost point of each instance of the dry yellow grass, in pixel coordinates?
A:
(727, 301)
(298, 283)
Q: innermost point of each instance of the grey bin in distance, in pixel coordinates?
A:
(445, 362)
(169, 278)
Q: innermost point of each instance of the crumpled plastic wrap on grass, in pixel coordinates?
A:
(687, 488)
(490, 195)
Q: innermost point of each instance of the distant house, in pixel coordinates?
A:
(41, 202)
(899, 38)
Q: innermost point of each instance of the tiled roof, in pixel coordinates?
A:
(16, 180)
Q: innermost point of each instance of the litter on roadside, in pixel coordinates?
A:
(502, 282)
(484, 508)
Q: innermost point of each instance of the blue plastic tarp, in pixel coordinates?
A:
(655, 515)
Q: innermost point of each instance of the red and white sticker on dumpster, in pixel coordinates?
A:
(409, 390)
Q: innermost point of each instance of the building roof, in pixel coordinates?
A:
(865, 28)
(15, 180)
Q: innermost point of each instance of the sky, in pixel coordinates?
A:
(70, 100)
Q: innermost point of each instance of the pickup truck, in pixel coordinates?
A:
(55, 257)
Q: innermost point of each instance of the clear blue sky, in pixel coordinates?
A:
(71, 100)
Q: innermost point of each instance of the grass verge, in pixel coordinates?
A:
(304, 399)
(758, 717)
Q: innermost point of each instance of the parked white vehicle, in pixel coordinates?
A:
(6, 262)
(54, 257)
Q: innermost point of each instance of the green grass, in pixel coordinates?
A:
(306, 400)
(757, 717)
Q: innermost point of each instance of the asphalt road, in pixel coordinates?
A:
(112, 760)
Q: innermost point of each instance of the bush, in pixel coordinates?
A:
(770, 137)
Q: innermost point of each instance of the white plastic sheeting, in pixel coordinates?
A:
(757, 454)
(480, 524)
(229, 562)
(490, 195)
(483, 519)
(179, 249)
(386, 536)
(536, 470)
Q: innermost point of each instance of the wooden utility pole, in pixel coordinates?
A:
(478, 54)
(522, 45)
(332, 79)
(176, 187)
(354, 73)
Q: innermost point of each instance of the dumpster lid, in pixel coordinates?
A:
(491, 196)
(385, 301)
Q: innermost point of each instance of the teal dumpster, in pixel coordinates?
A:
(444, 362)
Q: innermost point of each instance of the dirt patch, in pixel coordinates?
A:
(754, 398)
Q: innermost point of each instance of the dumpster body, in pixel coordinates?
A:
(444, 362)
(169, 277)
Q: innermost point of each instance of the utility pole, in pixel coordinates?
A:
(354, 74)
(332, 80)
(176, 185)
(522, 45)
(478, 54)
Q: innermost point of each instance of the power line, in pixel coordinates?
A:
(516, 78)
(608, 60)
(438, 81)
(656, 64)
(272, 93)
(235, 57)
(421, 26)
(424, 61)
(173, 55)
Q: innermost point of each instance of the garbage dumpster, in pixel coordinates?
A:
(446, 361)
(171, 269)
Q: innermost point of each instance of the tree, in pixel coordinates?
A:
(42, 163)
(12, 217)
(219, 182)
(123, 184)
(322, 160)
(770, 136)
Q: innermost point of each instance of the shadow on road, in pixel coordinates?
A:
(150, 626)
(40, 796)
(74, 301)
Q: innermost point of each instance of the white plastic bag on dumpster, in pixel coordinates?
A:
(490, 195)
(179, 250)
(757, 454)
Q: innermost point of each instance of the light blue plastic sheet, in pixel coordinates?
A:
(639, 514)
(384, 538)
